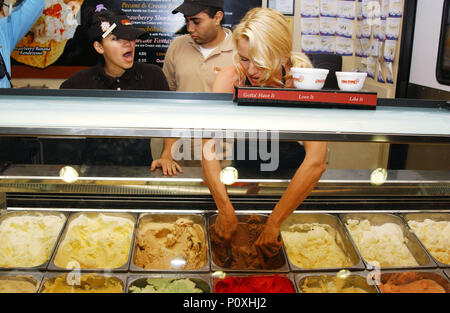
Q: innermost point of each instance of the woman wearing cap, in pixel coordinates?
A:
(263, 57)
(114, 39)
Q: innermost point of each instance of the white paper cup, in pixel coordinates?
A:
(309, 78)
(350, 81)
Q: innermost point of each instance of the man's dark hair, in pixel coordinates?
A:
(211, 11)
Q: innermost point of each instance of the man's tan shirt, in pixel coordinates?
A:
(187, 70)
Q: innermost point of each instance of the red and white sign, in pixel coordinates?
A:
(292, 95)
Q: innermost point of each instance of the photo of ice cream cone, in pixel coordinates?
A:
(46, 40)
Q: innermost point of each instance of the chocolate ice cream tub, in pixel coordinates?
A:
(202, 281)
(349, 280)
(33, 278)
(279, 260)
(336, 229)
(289, 276)
(419, 254)
(77, 279)
(75, 264)
(420, 217)
(43, 266)
(436, 275)
(182, 262)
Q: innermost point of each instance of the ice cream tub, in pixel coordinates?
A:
(28, 239)
(433, 232)
(318, 242)
(95, 241)
(384, 241)
(83, 282)
(170, 243)
(169, 283)
(244, 255)
(447, 272)
(413, 281)
(335, 282)
(255, 283)
(20, 282)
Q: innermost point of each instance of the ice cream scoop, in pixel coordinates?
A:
(229, 258)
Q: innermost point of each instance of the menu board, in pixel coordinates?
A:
(234, 10)
(154, 16)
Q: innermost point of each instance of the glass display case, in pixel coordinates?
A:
(127, 195)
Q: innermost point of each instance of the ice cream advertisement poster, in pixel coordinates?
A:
(58, 42)
(45, 41)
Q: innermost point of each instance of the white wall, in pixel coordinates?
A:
(426, 44)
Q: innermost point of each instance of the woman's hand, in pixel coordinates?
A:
(169, 166)
(225, 226)
(268, 241)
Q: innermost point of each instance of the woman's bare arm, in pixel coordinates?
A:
(303, 182)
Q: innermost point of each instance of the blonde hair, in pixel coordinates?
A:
(270, 43)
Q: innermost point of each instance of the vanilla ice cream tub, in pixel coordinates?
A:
(384, 241)
(94, 241)
(433, 232)
(318, 242)
(28, 238)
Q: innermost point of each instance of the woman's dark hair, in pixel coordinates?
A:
(90, 18)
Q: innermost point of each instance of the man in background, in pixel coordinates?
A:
(193, 60)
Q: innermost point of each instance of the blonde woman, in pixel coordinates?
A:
(263, 53)
(263, 57)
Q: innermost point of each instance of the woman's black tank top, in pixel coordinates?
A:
(291, 153)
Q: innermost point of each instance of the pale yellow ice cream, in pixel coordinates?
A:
(167, 285)
(96, 241)
(329, 284)
(16, 285)
(382, 245)
(89, 283)
(28, 240)
(179, 245)
(314, 246)
(435, 235)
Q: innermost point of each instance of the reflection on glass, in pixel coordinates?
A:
(229, 175)
(68, 174)
(378, 176)
(178, 263)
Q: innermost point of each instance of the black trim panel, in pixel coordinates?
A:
(443, 76)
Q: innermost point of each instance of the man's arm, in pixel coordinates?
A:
(303, 182)
(169, 67)
(23, 18)
(166, 162)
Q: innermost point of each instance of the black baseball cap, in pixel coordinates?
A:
(193, 7)
(117, 23)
